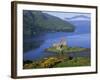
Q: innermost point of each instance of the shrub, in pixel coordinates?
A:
(49, 62)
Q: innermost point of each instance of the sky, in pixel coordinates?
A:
(64, 15)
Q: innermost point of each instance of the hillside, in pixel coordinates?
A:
(37, 23)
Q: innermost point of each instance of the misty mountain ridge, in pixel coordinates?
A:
(78, 18)
(82, 23)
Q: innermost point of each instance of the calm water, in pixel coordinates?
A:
(80, 40)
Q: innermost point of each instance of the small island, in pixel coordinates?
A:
(62, 47)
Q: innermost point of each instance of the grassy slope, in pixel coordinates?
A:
(54, 62)
(79, 61)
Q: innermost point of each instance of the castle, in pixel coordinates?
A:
(60, 44)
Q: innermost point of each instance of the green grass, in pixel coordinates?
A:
(79, 61)
(66, 49)
(61, 61)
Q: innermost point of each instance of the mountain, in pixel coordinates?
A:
(82, 24)
(37, 23)
(79, 17)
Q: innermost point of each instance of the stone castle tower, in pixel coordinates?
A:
(60, 44)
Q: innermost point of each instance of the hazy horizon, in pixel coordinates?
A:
(68, 15)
